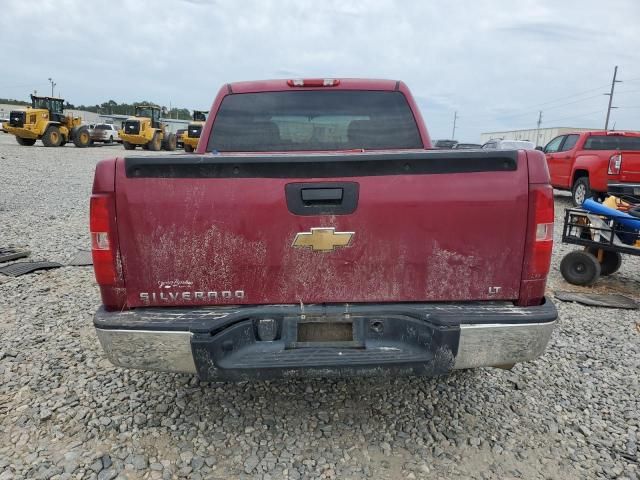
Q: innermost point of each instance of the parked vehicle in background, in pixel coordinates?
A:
(445, 144)
(45, 120)
(580, 161)
(499, 144)
(192, 137)
(179, 133)
(146, 130)
(105, 133)
(467, 146)
(316, 234)
(2, 122)
(624, 175)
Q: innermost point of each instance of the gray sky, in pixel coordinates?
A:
(496, 62)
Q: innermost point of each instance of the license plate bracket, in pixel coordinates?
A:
(323, 332)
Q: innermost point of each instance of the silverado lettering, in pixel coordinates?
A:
(204, 295)
(365, 252)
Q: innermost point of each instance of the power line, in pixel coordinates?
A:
(571, 103)
(627, 91)
(573, 116)
(532, 111)
(569, 96)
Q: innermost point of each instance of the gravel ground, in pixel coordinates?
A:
(66, 412)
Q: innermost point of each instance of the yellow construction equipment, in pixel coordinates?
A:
(192, 135)
(146, 130)
(45, 121)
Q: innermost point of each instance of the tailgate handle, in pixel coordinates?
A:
(325, 196)
(322, 198)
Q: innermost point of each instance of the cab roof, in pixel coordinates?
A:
(278, 85)
(39, 97)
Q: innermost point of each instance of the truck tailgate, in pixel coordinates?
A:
(407, 226)
(630, 167)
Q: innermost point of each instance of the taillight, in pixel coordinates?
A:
(539, 244)
(539, 261)
(314, 82)
(615, 162)
(104, 265)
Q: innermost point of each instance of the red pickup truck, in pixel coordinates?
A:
(581, 161)
(624, 175)
(314, 233)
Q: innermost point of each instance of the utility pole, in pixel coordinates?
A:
(53, 84)
(538, 128)
(455, 118)
(610, 94)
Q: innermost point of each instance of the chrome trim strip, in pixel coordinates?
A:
(499, 344)
(162, 351)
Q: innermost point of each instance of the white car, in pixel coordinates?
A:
(509, 145)
(105, 132)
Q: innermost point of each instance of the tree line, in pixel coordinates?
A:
(112, 107)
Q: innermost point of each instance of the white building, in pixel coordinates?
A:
(540, 137)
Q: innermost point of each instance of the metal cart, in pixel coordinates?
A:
(605, 240)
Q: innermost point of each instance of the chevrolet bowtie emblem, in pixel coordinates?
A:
(322, 239)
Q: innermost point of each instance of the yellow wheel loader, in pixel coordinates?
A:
(192, 135)
(45, 121)
(147, 131)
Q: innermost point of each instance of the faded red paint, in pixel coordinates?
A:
(417, 238)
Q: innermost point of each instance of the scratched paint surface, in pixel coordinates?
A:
(417, 238)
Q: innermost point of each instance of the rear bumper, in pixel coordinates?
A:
(225, 343)
(624, 189)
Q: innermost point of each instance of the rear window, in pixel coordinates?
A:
(314, 120)
(103, 127)
(612, 142)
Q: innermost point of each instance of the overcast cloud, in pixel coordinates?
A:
(495, 62)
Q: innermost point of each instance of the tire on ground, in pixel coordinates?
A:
(82, 137)
(169, 142)
(52, 136)
(155, 144)
(580, 268)
(580, 191)
(188, 148)
(25, 142)
(610, 263)
(128, 146)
